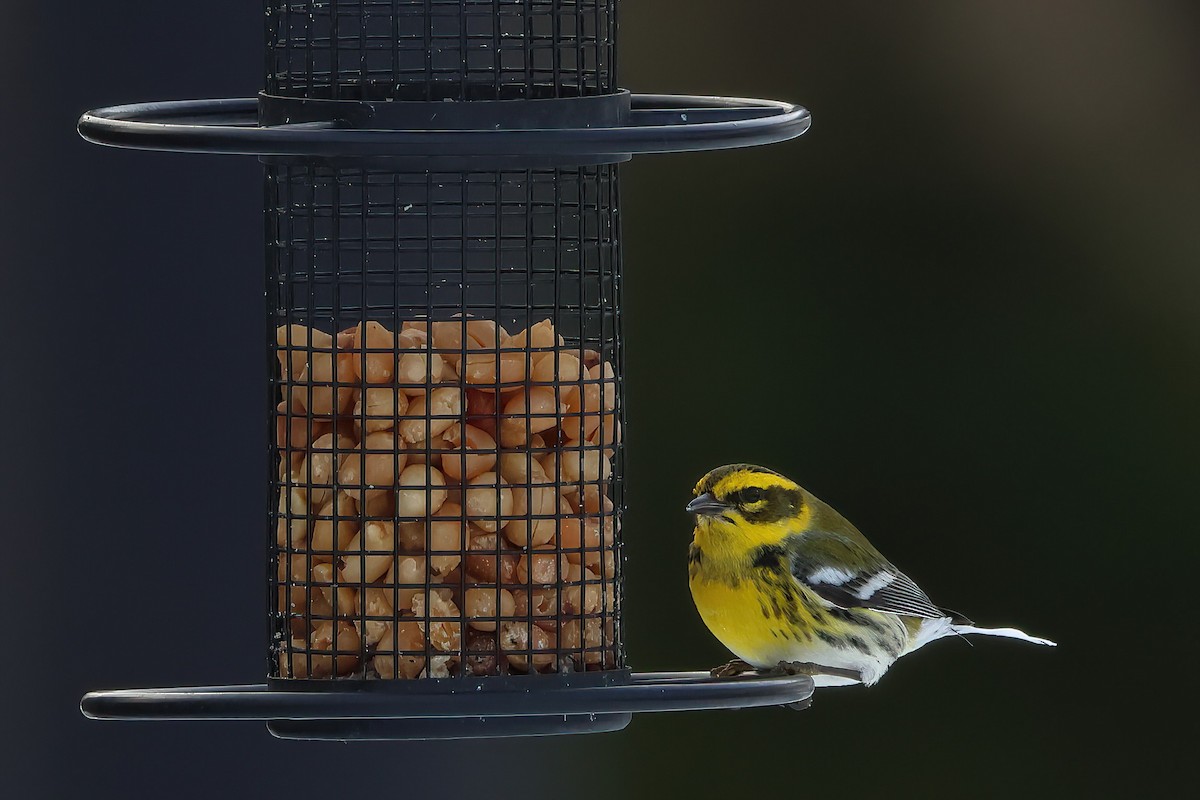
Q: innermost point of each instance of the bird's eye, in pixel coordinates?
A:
(752, 495)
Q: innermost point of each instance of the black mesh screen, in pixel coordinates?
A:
(441, 49)
(446, 432)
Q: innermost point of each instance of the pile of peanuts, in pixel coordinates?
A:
(444, 502)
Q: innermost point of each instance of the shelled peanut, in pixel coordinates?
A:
(444, 501)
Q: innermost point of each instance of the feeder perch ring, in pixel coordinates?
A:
(451, 708)
(646, 123)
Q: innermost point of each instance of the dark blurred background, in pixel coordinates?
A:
(962, 309)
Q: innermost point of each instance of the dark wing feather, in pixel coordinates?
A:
(861, 578)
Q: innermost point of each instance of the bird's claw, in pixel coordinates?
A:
(739, 667)
(732, 669)
(810, 669)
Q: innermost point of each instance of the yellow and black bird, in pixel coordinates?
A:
(787, 583)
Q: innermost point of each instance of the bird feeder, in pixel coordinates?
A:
(445, 382)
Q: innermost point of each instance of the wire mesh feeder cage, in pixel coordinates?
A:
(445, 381)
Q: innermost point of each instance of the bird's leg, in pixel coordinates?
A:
(807, 668)
(732, 669)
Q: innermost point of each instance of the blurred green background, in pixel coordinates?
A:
(962, 309)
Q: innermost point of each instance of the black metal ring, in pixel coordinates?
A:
(452, 699)
(655, 124)
(596, 111)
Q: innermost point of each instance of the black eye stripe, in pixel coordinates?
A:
(779, 504)
(748, 496)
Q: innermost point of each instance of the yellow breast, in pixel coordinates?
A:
(752, 619)
(754, 607)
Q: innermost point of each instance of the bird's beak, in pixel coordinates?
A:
(706, 505)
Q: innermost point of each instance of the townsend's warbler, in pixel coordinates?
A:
(786, 583)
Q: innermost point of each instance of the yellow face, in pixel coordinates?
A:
(758, 503)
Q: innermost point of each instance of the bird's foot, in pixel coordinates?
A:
(810, 669)
(732, 669)
(739, 667)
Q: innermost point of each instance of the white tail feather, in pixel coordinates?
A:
(930, 630)
(1007, 633)
(824, 681)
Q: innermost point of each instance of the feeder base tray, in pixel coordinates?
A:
(451, 708)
